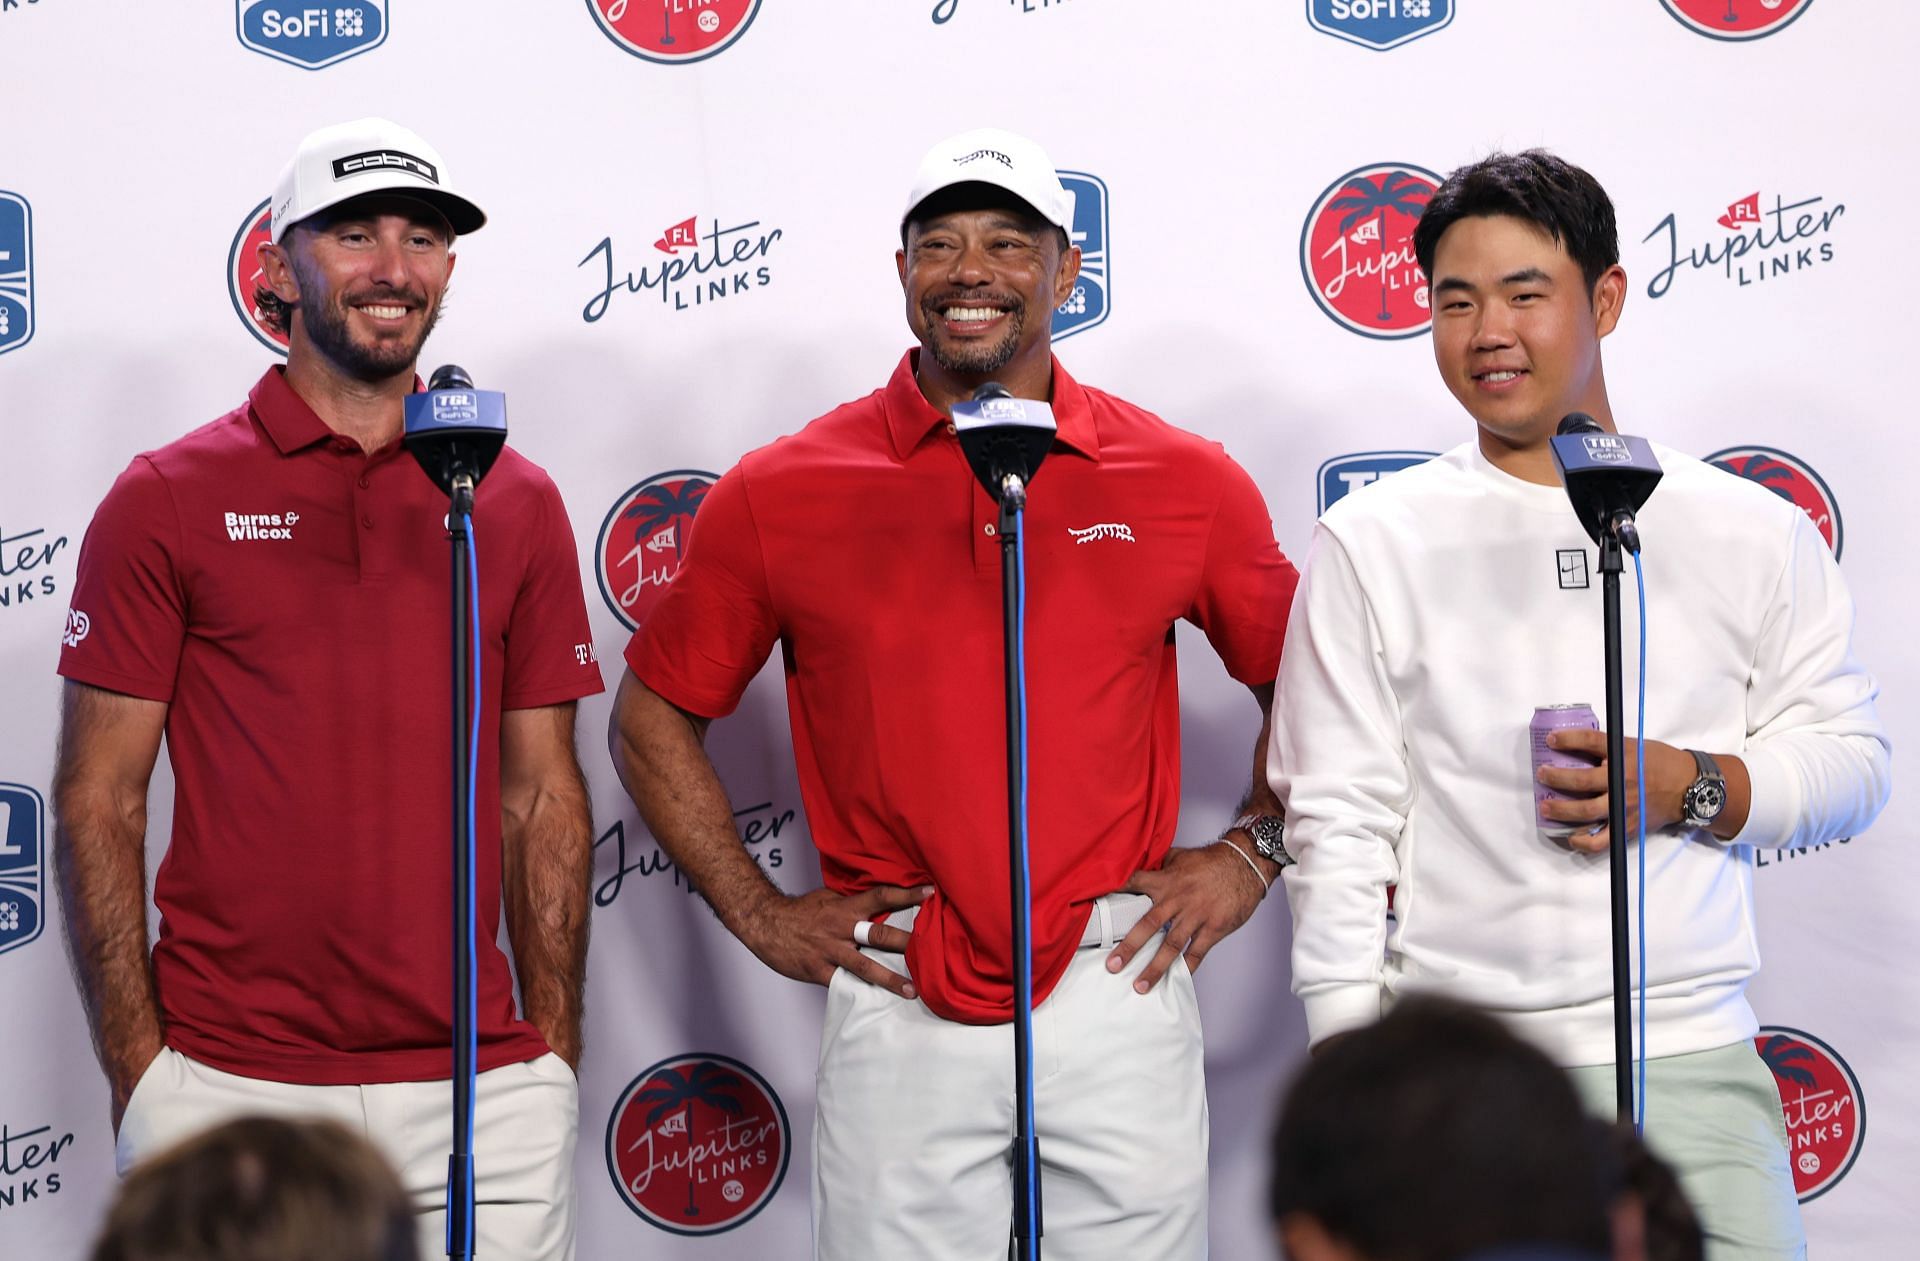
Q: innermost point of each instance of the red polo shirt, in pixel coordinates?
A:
(287, 595)
(864, 545)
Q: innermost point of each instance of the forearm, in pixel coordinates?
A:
(662, 762)
(100, 866)
(1260, 799)
(547, 857)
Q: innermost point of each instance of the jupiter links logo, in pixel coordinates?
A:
(312, 36)
(1356, 250)
(1791, 478)
(1736, 19)
(23, 865)
(698, 1144)
(16, 272)
(1763, 238)
(244, 276)
(1379, 24)
(674, 31)
(1823, 1106)
(694, 264)
(643, 539)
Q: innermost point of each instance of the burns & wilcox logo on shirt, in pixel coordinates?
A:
(1091, 298)
(1356, 250)
(1791, 478)
(1736, 19)
(244, 275)
(16, 272)
(1762, 238)
(674, 31)
(726, 261)
(1822, 1104)
(644, 538)
(312, 36)
(1378, 24)
(1344, 474)
(23, 865)
(698, 1144)
(248, 527)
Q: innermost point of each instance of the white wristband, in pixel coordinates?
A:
(1265, 884)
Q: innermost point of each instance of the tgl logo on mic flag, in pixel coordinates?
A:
(16, 272)
(23, 875)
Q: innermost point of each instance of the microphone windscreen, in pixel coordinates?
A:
(1575, 422)
(450, 376)
(992, 389)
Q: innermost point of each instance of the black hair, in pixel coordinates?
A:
(1549, 192)
(979, 195)
(1436, 1134)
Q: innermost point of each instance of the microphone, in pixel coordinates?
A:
(456, 431)
(1608, 477)
(1004, 438)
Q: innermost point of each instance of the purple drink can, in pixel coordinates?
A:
(1556, 718)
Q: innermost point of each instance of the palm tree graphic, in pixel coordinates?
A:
(1766, 470)
(671, 1089)
(1783, 1055)
(661, 505)
(1396, 191)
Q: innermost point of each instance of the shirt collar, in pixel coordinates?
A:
(910, 418)
(287, 418)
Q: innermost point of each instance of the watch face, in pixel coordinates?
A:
(1705, 801)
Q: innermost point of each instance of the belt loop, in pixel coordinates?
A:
(1106, 922)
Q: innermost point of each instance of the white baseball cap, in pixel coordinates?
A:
(988, 155)
(369, 155)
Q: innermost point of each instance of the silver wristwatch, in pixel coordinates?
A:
(1266, 831)
(1706, 796)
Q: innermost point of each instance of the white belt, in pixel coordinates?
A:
(1113, 917)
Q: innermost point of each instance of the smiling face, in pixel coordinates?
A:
(1516, 335)
(981, 286)
(365, 283)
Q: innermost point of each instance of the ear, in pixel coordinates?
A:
(1068, 273)
(900, 265)
(1609, 295)
(276, 267)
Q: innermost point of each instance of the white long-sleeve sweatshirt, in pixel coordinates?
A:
(1440, 606)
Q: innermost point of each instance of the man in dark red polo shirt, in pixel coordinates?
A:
(270, 593)
(865, 547)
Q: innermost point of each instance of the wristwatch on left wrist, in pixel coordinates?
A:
(1706, 796)
(1266, 831)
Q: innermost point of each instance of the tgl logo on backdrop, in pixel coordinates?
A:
(1736, 19)
(1356, 250)
(1379, 24)
(312, 36)
(1791, 478)
(244, 275)
(1344, 474)
(1089, 302)
(643, 540)
(1782, 238)
(698, 1144)
(1822, 1104)
(16, 272)
(674, 31)
(23, 865)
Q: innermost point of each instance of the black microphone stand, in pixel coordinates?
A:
(460, 1206)
(1618, 526)
(1025, 1242)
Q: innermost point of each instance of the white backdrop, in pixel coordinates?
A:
(142, 137)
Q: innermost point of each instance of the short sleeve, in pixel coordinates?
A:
(1246, 584)
(711, 632)
(128, 619)
(549, 641)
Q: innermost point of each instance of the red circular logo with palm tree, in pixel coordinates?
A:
(698, 1144)
(1736, 19)
(244, 275)
(674, 30)
(1791, 478)
(644, 537)
(1356, 250)
(1820, 1098)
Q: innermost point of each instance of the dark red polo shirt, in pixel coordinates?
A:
(287, 594)
(865, 547)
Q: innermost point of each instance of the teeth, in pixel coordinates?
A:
(971, 314)
(385, 312)
(1497, 377)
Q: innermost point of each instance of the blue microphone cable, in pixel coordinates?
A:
(467, 895)
(1023, 964)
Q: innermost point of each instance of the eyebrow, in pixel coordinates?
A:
(1526, 276)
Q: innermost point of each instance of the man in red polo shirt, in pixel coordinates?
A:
(270, 592)
(865, 547)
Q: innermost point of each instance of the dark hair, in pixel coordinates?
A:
(1436, 1134)
(262, 1187)
(979, 195)
(1549, 192)
(1670, 1230)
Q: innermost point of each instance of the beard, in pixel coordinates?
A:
(974, 358)
(325, 317)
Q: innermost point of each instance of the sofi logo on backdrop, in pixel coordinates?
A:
(1736, 19)
(1791, 478)
(1822, 1104)
(1356, 250)
(16, 272)
(312, 36)
(244, 275)
(674, 30)
(1379, 24)
(644, 537)
(698, 1144)
(1088, 304)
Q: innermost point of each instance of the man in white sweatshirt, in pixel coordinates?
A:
(1443, 604)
